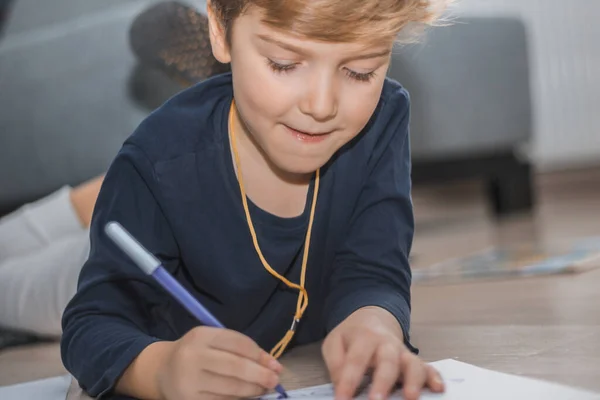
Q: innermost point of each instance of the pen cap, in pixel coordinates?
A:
(142, 257)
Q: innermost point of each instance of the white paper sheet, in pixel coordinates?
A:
(465, 382)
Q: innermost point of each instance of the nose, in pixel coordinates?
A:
(320, 97)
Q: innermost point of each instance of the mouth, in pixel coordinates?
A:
(310, 137)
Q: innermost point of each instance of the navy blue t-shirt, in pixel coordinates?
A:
(173, 186)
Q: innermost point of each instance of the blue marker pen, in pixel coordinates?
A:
(152, 266)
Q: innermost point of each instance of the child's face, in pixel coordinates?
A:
(300, 100)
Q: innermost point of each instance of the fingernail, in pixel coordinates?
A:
(377, 396)
(412, 392)
(439, 382)
(275, 365)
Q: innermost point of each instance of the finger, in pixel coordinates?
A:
(241, 345)
(231, 365)
(434, 380)
(333, 354)
(415, 375)
(220, 385)
(387, 371)
(356, 362)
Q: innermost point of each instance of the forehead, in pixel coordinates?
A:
(253, 25)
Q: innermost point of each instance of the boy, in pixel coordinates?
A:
(284, 182)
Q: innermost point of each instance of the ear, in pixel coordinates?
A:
(218, 40)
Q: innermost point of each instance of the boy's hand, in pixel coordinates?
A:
(213, 363)
(371, 338)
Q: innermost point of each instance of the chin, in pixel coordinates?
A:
(301, 166)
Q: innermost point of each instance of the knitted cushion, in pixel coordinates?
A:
(175, 39)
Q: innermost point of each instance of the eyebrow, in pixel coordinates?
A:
(301, 51)
(371, 55)
(281, 44)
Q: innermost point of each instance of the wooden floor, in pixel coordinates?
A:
(544, 327)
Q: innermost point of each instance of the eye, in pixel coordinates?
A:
(280, 68)
(359, 76)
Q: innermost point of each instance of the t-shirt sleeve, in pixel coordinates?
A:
(371, 268)
(107, 323)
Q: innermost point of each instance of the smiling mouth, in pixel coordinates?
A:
(311, 137)
(309, 133)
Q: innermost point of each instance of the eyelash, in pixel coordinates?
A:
(357, 76)
(361, 77)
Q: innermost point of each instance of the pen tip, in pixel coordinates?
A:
(282, 393)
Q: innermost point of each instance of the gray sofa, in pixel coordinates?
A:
(68, 89)
(72, 91)
(471, 107)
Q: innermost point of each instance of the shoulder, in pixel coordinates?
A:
(388, 127)
(393, 112)
(190, 121)
(395, 95)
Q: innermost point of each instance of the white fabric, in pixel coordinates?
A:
(55, 388)
(42, 249)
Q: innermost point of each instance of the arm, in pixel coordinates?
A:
(108, 322)
(371, 268)
(368, 307)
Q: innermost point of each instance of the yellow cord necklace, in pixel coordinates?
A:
(302, 295)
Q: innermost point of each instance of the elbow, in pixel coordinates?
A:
(69, 333)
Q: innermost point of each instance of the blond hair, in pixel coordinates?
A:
(336, 20)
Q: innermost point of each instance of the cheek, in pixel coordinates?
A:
(358, 107)
(262, 94)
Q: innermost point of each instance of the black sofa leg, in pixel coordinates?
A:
(511, 189)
